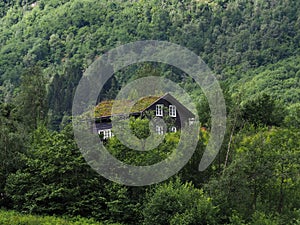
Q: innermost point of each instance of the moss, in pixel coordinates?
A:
(104, 108)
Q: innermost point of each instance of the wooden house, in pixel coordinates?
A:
(157, 106)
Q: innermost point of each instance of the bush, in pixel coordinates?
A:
(180, 204)
(260, 218)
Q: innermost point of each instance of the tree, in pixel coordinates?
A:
(12, 144)
(56, 179)
(263, 110)
(263, 175)
(292, 119)
(60, 94)
(31, 99)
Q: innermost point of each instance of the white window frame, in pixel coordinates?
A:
(172, 110)
(106, 133)
(191, 121)
(159, 130)
(159, 110)
(173, 129)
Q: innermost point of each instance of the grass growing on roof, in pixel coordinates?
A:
(104, 108)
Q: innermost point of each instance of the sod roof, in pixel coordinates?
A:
(104, 108)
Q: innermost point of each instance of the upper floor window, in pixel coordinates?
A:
(159, 110)
(172, 110)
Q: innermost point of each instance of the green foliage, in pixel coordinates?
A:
(264, 219)
(235, 219)
(59, 93)
(263, 175)
(55, 174)
(292, 119)
(105, 108)
(157, 154)
(31, 101)
(140, 128)
(204, 112)
(190, 172)
(251, 45)
(279, 80)
(14, 218)
(121, 205)
(177, 203)
(263, 111)
(258, 218)
(229, 35)
(57, 180)
(12, 138)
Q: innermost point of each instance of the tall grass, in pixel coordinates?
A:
(15, 218)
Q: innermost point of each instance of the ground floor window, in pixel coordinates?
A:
(106, 133)
(191, 121)
(159, 129)
(173, 129)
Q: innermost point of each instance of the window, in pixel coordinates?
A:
(191, 121)
(159, 110)
(172, 110)
(106, 133)
(159, 129)
(173, 129)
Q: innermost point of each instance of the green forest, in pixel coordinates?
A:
(253, 48)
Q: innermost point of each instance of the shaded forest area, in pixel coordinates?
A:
(251, 46)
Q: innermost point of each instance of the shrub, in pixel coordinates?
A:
(180, 204)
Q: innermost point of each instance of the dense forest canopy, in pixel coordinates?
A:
(65, 37)
(252, 46)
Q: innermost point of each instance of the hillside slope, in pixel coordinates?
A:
(65, 37)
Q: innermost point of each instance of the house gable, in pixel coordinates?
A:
(168, 100)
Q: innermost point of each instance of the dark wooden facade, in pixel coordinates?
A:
(183, 116)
